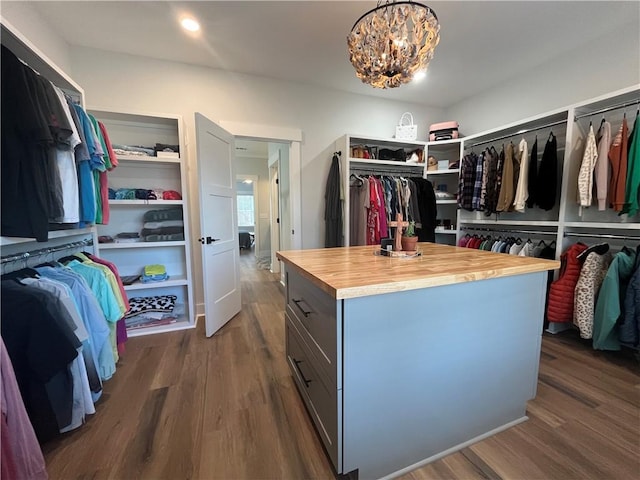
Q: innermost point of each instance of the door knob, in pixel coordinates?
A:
(208, 240)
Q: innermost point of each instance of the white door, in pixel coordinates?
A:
(218, 227)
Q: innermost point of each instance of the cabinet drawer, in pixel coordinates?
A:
(321, 402)
(317, 313)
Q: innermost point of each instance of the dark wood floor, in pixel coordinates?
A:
(182, 406)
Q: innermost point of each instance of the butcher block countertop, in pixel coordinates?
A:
(350, 272)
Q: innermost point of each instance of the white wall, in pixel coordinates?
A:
(258, 167)
(121, 82)
(30, 23)
(608, 64)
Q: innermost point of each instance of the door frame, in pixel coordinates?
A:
(292, 136)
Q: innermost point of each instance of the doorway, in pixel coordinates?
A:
(247, 212)
(264, 164)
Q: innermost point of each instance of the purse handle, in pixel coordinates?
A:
(404, 116)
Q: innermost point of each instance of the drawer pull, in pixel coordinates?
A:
(304, 312)
(304, 379)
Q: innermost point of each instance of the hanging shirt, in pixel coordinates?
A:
(21, 453)
(65, 156)
(522, 190)
(476, 200)
(618, 158)
(93, 318)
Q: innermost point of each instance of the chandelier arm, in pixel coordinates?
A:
(387, 5)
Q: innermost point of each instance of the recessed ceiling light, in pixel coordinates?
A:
(190, 24)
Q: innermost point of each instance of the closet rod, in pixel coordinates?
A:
(607, 109)
(596, 235)
(519, 132)
(527, 232)
(404, 171)
(45, 251)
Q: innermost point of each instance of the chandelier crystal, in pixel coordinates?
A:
(390, 43)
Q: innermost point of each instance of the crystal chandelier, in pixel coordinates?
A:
(389, 44)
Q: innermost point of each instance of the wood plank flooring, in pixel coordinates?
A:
(182, 406)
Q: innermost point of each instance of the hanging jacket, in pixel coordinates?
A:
(609, 307)
(561, 294)
(491, 191)
(602, 165)
(630, 326)
(507, 190)
(548, 175)
(618, 158)
(585, 175)
(333, 206)
(427, 209)
(592, 275)
(532, 180)
(632, 191)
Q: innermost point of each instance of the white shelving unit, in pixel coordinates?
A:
(128, 215)
(347, 145)
(446, 180)
(566, 223)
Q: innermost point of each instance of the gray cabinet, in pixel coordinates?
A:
(394, 380)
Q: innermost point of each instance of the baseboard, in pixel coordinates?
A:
(199, 309)
(454, 449)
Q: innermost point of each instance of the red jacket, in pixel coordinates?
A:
(560, 306)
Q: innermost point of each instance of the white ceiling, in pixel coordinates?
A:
(482, 43)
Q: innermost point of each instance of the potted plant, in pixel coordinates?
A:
(409, 238)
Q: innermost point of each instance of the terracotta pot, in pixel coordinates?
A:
(409, 244)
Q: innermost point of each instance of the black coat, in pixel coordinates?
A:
(427, 208)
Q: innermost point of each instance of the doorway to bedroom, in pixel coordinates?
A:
(259, 218)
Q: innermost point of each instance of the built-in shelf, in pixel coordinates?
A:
(183, 324)
(446, 231)
(453, 141)
(113, 246)
(447, 202)
(601, 225)
(443, 172)
(143, 158)
(171, 282)
(52, 235)
(146, 202)
(519, 223)
(385, 162)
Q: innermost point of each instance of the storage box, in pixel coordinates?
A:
(443, 131)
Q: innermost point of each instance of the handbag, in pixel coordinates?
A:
(404, 130)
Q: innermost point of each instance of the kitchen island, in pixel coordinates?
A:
(401, 361)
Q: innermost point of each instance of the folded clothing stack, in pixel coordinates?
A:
(154, 273)
(153, 311)
(164, 225)
(127, 237)
(143, 194)
(136, 150)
